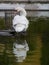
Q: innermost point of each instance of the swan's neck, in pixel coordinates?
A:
(22, 13)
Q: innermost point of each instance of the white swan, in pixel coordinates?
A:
(20, 22)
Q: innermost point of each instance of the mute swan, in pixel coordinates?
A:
(20, 22)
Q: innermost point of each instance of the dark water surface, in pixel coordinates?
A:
(31, 49)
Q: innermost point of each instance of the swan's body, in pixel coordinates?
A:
(20, 22)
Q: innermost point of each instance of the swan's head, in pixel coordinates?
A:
(21, 11)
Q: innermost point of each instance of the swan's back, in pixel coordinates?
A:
(20, 19)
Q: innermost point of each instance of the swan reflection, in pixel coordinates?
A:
(20, 49)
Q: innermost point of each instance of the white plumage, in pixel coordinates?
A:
(20, 22)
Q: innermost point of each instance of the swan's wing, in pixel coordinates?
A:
(20, 19)
(20, 23)
(15, 20)
(24, 20)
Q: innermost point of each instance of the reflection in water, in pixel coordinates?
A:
(38, 41)
(20, 49)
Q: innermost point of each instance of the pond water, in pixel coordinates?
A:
(29, 49)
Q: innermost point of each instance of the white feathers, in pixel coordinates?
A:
(19, 27)
(20, 22)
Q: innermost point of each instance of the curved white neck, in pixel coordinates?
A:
(23, 13)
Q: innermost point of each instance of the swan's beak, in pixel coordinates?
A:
(17, 11)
